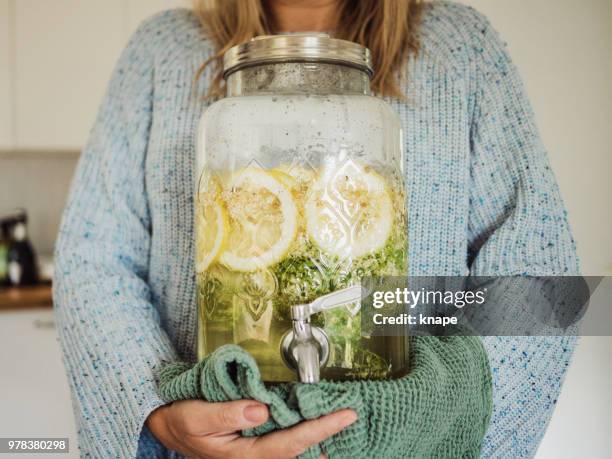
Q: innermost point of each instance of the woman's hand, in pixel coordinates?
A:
(201, 429)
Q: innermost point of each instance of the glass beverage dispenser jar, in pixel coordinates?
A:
(299, 194)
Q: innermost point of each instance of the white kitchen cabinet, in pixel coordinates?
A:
(6, 99)
(64, 51)
(64, 54)
(34, 393)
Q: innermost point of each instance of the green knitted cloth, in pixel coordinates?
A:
(441, 409)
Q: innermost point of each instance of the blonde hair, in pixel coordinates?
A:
(386, 27)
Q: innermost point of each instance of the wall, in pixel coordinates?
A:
(37, 182)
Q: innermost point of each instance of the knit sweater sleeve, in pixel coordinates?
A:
(517, 225)
(109, 330)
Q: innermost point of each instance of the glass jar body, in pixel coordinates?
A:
(300, 192)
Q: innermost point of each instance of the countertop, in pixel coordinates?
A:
(16, 298)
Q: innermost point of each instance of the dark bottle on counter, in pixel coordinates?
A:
(22, 269)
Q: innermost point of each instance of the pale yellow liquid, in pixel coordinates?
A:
(251, 309)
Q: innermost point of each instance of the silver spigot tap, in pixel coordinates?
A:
(305, 348)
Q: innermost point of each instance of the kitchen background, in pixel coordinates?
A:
(51, 84)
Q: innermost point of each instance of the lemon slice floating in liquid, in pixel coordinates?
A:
(349, 211)
(262, 220)
(211, 225)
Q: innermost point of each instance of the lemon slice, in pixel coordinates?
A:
(349, 211)
(297, 179)
(262, 220)
(211, 225)
(285, 178)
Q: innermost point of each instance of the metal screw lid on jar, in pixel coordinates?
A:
(299, 47)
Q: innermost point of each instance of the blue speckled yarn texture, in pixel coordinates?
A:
(482, 199)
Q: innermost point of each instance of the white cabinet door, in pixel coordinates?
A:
(139, 10)
(6, 68)
(34, 394)
(65, 51)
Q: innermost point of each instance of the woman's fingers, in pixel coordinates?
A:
(296, 440)
(202, 418)
(202, 429)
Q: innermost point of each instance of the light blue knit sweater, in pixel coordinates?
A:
(483, 199)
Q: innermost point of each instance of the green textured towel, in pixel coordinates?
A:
(440, 409)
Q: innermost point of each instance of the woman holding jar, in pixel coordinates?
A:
(483, 201)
